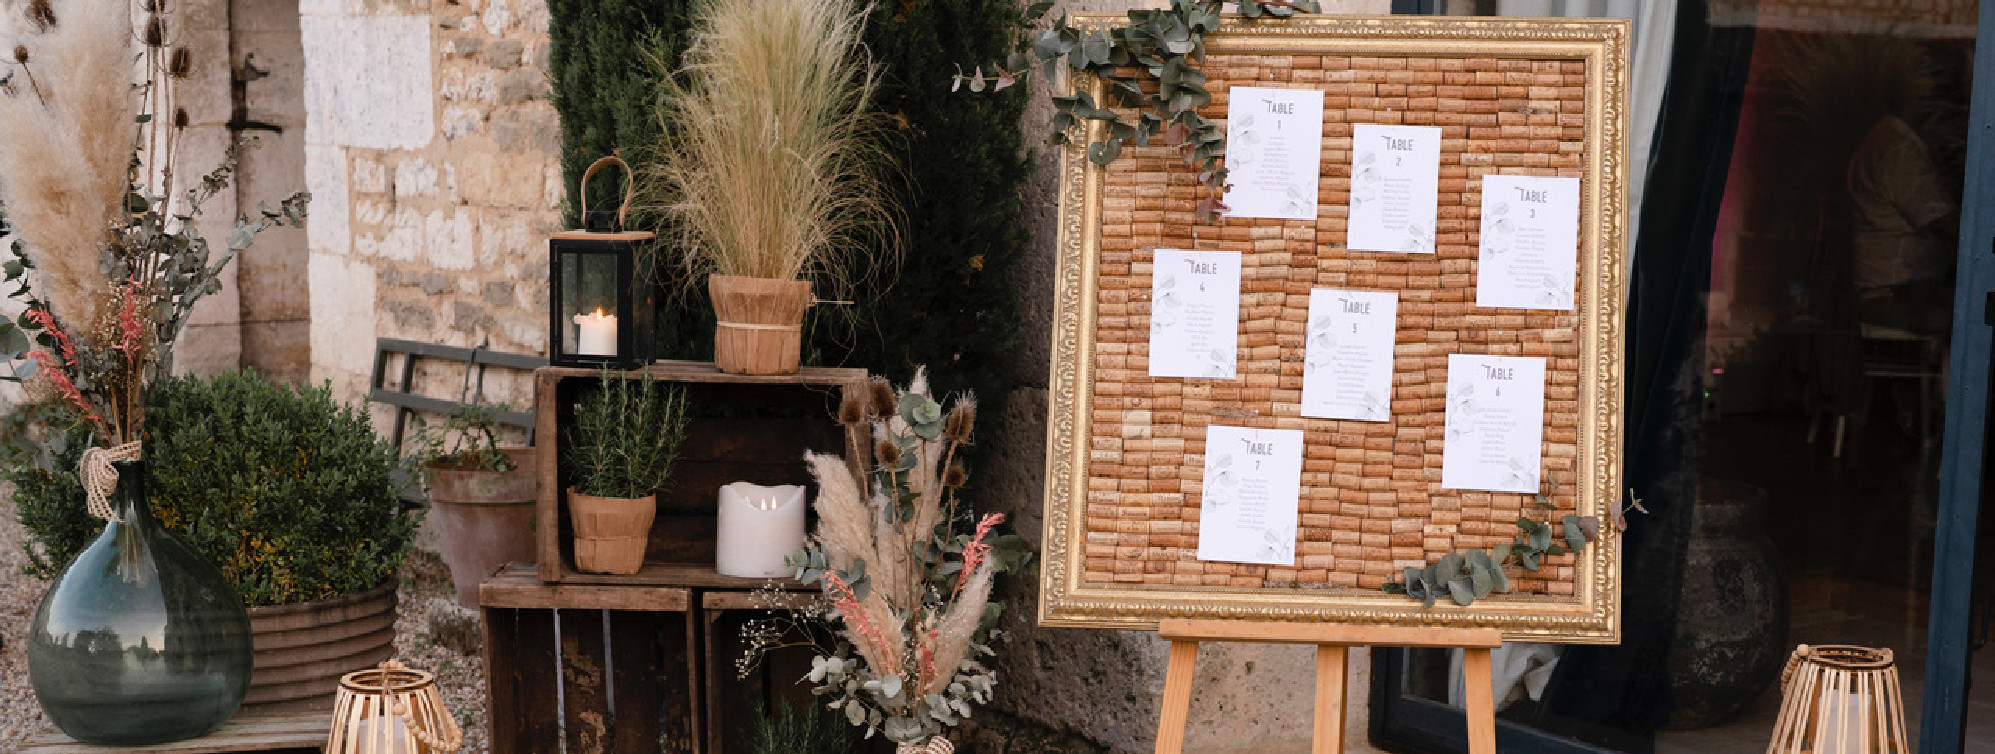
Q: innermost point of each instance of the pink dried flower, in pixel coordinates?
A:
(847, 603)
(928, 658)
(62, 383)
(976, 550)
(47, 321)
(131, 330)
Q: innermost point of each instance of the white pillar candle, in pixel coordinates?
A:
(382, 736)
(599, 334)
(759, 527)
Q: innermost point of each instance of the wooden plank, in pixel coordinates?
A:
(690, 575)
(500, 628)
(786, 599)
(548, 536)
(1177, 697)
(240, 735)
(1178, 629)
(516, 586)
(1481, 706)
(705, 371)
(585, 695)
(636, 684)
(532, 673)
(1330, 688)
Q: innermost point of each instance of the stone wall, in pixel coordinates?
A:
(431, 152)
(1104, 686)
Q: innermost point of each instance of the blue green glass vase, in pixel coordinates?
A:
(140, 640)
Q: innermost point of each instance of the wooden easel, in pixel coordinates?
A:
(1331, 642)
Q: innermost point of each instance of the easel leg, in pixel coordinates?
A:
(1177, 697)
(1329, 733)
(1481, 705)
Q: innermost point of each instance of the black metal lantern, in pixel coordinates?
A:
(602, 294)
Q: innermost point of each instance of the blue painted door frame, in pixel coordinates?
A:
(1944, 715)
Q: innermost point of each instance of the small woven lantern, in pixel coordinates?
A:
(393, 709)
(1840, 700)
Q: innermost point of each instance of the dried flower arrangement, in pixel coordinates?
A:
(107, 254)
(906, 572)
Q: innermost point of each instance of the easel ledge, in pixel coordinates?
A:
(1332, 643)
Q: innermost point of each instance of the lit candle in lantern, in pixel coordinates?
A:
(382, 735)
(599, 334)
(758, 528)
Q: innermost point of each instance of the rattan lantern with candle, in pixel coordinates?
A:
(1838, 699)
(392, 709)
(602, 294)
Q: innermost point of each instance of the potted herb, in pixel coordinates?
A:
(619, 451)
(766, 168)
(482, 494)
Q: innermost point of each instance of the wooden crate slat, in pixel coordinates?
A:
(238, 736)
(584, 682)
(518, 586)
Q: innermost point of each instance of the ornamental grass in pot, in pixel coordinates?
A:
(619, 452)
(482, 494)
(766, 174)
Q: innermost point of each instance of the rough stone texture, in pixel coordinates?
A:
(440, 163)
(1104, 686)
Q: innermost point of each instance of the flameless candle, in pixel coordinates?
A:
(599, 334)
(759, 527)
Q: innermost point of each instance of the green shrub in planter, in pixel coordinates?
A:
(287, 491)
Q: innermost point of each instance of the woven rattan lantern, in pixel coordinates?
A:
(1840, 700)
(393, 709)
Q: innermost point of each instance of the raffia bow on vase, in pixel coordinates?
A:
(935, 745)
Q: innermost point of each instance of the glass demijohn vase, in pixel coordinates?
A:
(140, 640)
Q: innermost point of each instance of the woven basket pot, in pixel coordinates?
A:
(759, 328)
(934, 745)
(610, 532)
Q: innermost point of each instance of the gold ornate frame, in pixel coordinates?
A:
(1591, 614)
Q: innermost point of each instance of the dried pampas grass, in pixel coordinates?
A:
(64, 164)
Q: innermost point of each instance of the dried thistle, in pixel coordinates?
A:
(41, 15)
(21, 54)
(956, 476)
(882, 401)
(852, 408)
(180, 117)
(155, 32)
(961, 421)
(180, 63)
(887, 453)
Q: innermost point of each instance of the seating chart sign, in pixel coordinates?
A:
(1351, 393)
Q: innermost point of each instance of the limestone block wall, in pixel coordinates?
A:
(431, 152)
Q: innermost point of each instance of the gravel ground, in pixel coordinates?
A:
(430, 631)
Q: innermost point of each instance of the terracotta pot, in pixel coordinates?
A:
(760, 328)
(302, 650)
(484, 519)
(610, 532)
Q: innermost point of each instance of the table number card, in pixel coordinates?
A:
(1347, 367)
(1195, 314)
(1395, 182)
(1529, 251)
(1274, 149)
(1495, 423)
(1253, 484)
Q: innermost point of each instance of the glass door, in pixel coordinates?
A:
(1804, 426)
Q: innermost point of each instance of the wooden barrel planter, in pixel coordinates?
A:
(302, 650)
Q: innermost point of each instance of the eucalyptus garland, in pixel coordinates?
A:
(1150, 65)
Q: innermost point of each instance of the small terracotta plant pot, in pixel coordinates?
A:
(760, 323)
(484, 519)
(610, 532)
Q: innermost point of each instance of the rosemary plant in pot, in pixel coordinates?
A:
(766, 173)
(140, 640)
(620, 451)
(482, 494)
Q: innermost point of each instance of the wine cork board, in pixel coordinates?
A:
(1537, 97)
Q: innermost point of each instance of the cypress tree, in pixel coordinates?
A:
(960, 156)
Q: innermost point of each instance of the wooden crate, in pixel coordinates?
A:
(619, 676)
(295, 734)
(743, 428)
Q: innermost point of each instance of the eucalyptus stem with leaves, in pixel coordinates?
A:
(1150, 65)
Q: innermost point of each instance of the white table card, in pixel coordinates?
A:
(1274, 151)
(1530, 242)
(1347, 367)
(1253, 482)
(1495, 422)
(1395, 182)
(1195, 314)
